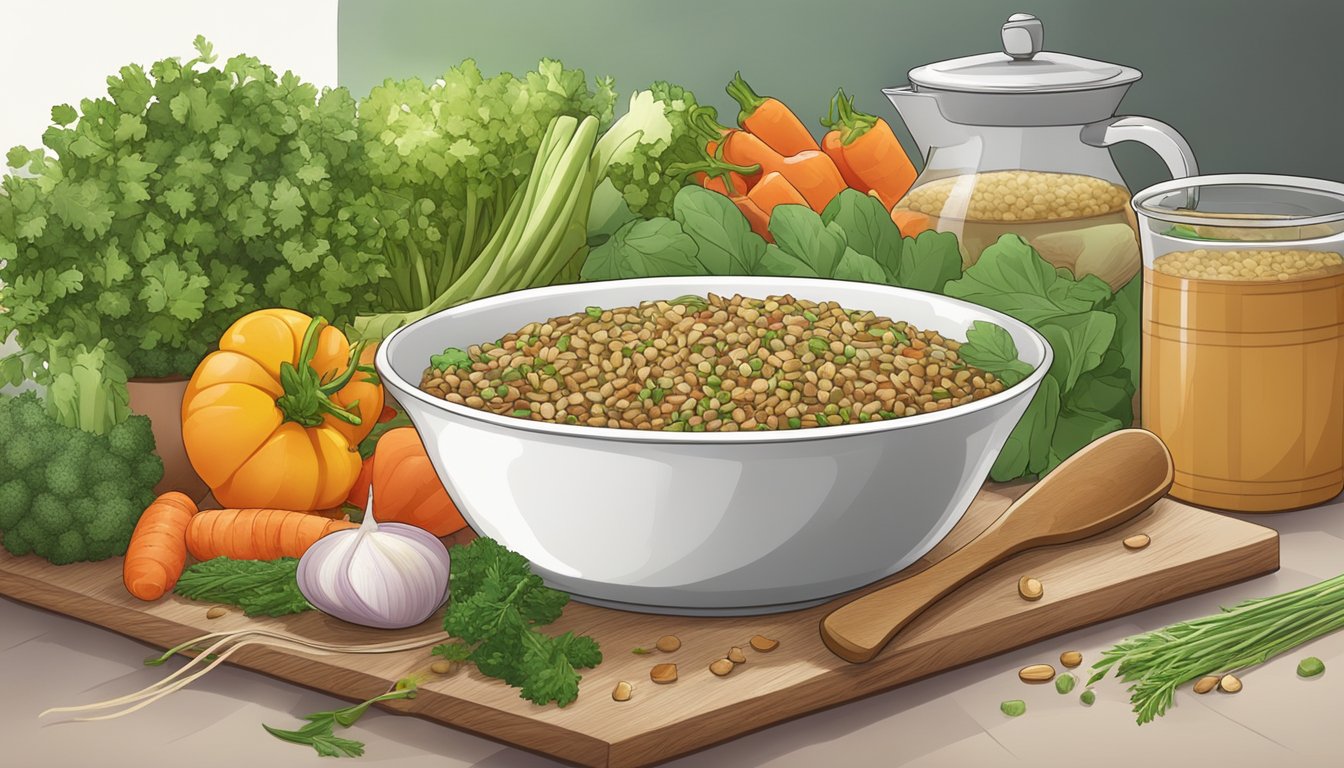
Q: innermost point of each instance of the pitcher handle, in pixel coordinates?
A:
(1156, 135)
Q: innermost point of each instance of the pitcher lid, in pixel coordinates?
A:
(1022, 67)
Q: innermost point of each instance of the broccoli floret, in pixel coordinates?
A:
(14, 501)
(65, 474)
(19, 539)
(68, 548)
(52, 514)
(132, 438)
(149, 470)
(70, 495)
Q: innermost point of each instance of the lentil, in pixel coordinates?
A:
(1021, 196)
(1249, 264)
(720, 365)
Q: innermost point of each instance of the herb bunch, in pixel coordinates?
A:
(188, 195)
(320, 732)
(259, 587)
(496, 608)
(1247, 634)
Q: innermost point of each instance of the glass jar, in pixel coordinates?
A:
(1243, 337)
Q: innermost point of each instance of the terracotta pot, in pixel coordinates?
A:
(161, 401)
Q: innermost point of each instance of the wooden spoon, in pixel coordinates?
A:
(1105, 484)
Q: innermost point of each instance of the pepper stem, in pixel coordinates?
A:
(307, 399)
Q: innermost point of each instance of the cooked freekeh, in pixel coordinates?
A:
(712, 364)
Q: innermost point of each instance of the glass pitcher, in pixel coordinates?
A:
(1016, 142)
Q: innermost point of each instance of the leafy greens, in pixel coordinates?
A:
(496, 607)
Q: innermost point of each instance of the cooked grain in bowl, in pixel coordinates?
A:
(712, 364)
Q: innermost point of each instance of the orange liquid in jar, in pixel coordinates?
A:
(1243, 375)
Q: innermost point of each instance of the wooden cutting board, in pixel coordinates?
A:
(1192, 550)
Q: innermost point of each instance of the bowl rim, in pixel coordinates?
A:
(403, 388)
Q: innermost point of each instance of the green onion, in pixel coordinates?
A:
(818, 345)
(593, 312)
(807, 313)
(511, 374)
(756, 363)
(795, 423)
(1242, 636)
(562, 343)
(821, 419)
(520, 412)
(940, 394)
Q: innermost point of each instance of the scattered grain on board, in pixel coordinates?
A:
(722, 667)
(441, 667)
(1137, 541)
(1030, 588)
(1064, 683)
(668, 643)
(216, 612)
(1206, 683)
(736, 655)
(1013, 707)
(1071, 659)
(622, 691)
(1229, 684)
(1036, 673)
(1088, 697)
(1310, 667)
(663, 673)
(763, 643)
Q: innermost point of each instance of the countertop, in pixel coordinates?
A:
(951, 719)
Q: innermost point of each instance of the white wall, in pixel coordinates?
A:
(60, 51)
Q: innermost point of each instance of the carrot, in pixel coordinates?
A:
(731, 183)
(756, 217)
(359, 492)
(158, 551)
(256, 534)
(770, 120)
(910, 223)
(830, 144)
(775, 190)
(811, 172)
(872, 152)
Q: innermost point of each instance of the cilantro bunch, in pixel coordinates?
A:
(188, 195)
(496, 607)
(446, 159)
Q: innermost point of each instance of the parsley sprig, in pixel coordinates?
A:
(496, 608)
(320, 732)
(259, 587)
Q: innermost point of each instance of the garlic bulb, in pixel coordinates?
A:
(388, 575)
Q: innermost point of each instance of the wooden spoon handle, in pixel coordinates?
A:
(1103, 485)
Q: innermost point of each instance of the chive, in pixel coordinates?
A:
(841, 359)
(548, 369)
(520, 412)
(511, 374)
(707, 402)
(723, 397)
(643, 394)
(484, 359)
(593, 312)
(697, 348)
(821, 419)
(488, 393)
(756, 363)
(818, 345)
(940, 394)
(769, 337)
(525, 368)
(887, 414)
(786, 385)
(762, 427)
(675, 426)
(714, 381)
(830, 409)
(627, 352)
(795, 423)
(562, 343)
(697, 427)
(850, 351)
(844, 414)
(864, 417)
(807, 313)
(657, 395)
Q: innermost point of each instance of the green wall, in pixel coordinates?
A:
(1254, 86)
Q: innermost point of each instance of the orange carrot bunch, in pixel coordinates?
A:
(773, 159)
(868, 154)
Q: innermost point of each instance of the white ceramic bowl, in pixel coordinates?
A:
(730, 523)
